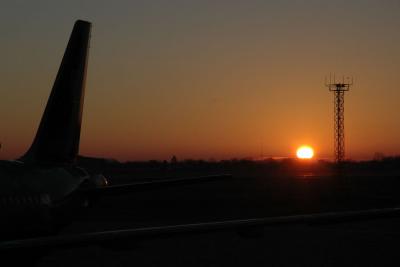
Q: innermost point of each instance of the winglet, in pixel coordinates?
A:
(57, 138)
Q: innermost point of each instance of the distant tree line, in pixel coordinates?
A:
(270, 164)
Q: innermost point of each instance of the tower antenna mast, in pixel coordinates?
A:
(339, 89)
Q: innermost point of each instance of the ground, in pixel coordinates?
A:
(251, 195)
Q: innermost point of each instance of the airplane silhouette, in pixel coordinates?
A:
(40, 192)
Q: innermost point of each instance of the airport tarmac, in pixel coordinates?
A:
(362, 243)
(356, 244)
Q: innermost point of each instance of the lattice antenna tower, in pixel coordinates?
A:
(339, 89)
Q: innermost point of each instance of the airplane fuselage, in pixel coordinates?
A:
(54, 181)
(35, 199)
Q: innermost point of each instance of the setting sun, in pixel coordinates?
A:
(305, 152)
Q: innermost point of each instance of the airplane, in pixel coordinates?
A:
(42, 190)
(45, 186)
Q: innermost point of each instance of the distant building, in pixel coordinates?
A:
(174, 160)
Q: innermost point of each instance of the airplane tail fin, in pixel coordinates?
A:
(57, 138)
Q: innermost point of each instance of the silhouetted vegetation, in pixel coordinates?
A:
(287, 166)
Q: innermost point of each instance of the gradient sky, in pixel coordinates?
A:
(207, 79)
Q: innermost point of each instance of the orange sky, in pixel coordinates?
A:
(208, 80)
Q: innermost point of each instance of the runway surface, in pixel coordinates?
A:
(365, 243)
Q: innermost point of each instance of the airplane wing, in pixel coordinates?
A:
(85, 239)
(155, 184)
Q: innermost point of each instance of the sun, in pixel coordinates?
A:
(305, 152)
